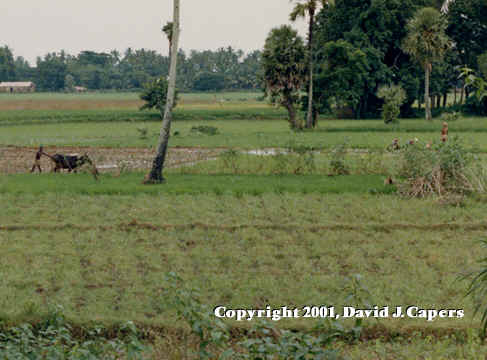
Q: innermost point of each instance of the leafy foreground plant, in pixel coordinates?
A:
(264, 341)
(440, 168)
(54, 340)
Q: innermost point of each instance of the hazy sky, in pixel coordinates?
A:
(33, 27)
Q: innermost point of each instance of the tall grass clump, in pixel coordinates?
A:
(304, 158)
(338, 165)
(440, 168)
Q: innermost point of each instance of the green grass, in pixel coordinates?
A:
(192, 112)
(4, 97)
(112, 95)
(247, 134)
(103, 257)
(131, 184)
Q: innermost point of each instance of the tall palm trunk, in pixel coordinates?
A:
(155, 175)
(427, 99)
(309, 119)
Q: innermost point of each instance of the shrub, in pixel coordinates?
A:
(476, 104)
(450, 116)
(393, 96)
(304, 158)
(282, 163)
(213, 334)
(143, 133)
(337, 162)
(230, 160)
(155, 93)
(205, 129)
(440, 168)
(267, 342)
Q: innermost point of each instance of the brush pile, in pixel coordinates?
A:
(442, 168)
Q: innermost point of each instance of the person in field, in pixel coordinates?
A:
(444, 132)
(37, 161)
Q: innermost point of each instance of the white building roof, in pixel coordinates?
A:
(16, 84)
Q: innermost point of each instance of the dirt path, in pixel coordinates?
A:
(20, 159)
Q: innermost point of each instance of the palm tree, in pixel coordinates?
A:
(426, 42)
(302, 10)
(155, 175)
(168, 30)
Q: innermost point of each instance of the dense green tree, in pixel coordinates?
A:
(23, 71)
(467, 27)
(283, 61)
(444, 77)
(51, 71)
(93, 58)
(249, 72)
(7, 64)
(209, 82)
(347, 71)
(376, 25)
(427, 42)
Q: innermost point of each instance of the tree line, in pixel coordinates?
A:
(208, 70)
(355, 47)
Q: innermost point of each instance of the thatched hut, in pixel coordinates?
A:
(17, 87)
(80, 89)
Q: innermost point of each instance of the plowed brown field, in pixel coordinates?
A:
(20, 159)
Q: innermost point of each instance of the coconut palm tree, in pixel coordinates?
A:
(308, 8)
(155, 175)
(426, 42)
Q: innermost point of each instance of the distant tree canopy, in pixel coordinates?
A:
(209, 82)
(134, 68)
(51, 72)
(7, 64)
(357, 47)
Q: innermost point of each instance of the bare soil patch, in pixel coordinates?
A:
(15, 160)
